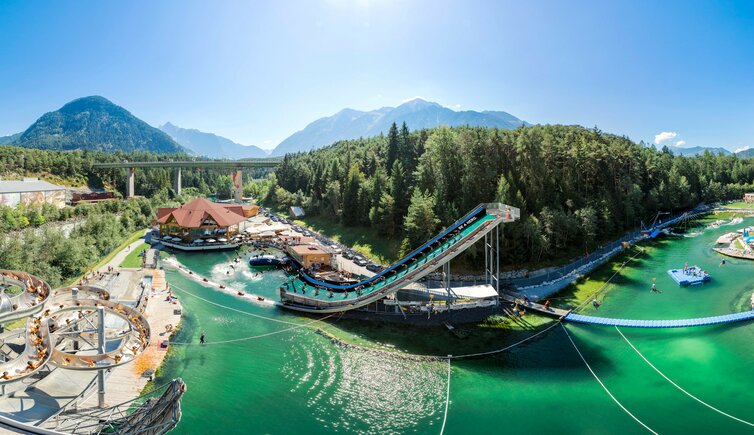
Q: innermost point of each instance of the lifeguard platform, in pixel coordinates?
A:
(691, 276)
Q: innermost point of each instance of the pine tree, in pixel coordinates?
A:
(392, 146)
(399, 190)
(351, 204)
(421, 222)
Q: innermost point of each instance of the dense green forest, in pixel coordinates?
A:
(49, 254)
(576, 187)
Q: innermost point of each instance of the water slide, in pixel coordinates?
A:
(306, 293)
(28, 302)
(54, 320)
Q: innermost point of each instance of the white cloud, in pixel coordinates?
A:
(456, 106)
(665, 136)
(680, 143)
(738, 150)
(412, 99)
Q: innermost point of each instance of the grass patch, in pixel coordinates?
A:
(739, 205)
(133, 260)
(106, 259)
(365, 240)
(580, 291)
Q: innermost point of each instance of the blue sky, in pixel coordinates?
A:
(256, 72)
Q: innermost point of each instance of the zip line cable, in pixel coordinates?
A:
(678, 386)
(603, 385)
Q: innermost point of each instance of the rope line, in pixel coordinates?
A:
(603, 385)
(678, 386)
(447, 401)
(297, 325)
(236, 340)
(235, 309)
(492, 352)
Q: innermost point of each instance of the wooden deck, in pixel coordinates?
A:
(557, 312)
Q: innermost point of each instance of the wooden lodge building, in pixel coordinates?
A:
(201, 221)
(311, 256)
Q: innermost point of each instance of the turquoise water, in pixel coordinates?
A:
(299, 382)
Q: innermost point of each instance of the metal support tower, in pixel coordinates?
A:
(75, 296)
(101, 350)
(492, 258)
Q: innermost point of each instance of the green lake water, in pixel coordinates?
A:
(299, 382)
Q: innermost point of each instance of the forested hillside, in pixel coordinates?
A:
(576, 187)
(95, 123)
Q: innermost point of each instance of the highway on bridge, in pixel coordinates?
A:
(235, 165)
(214, 164)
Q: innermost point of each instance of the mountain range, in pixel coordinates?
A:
(95, 123)
(416, 113)
(211, 145)
(696, 151)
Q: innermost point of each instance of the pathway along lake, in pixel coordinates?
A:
(299, 382)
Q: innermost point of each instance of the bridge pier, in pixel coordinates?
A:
(130, 191)
(177, 181)
(237, 185)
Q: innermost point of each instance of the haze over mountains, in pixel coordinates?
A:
(416, 113)
(211, 145)
(95, 123)
(695, 151)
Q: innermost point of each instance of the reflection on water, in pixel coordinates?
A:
(355, 390)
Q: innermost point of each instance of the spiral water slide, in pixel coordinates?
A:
(56, 318)
(306, 293)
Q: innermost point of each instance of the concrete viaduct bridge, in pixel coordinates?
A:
(235, 166)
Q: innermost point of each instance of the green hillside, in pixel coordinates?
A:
(95, 123)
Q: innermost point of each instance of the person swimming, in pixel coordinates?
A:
(596, 303)
(655, 289)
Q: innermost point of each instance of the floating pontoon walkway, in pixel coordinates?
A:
(570, 316)
(680, 323)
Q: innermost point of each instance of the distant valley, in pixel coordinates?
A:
(211, 145)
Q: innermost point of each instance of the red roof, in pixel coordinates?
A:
(194, 213)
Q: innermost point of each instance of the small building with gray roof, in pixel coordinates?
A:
(31, 192)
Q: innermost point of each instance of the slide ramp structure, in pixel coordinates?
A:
(53, 318)
(306, 293)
